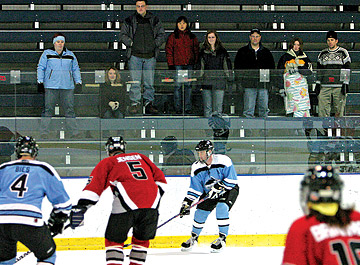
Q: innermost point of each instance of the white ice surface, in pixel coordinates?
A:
(174, 256)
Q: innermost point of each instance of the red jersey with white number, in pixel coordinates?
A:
(135, 181)
(310, 242)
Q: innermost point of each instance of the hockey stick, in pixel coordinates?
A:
(164, 223)
(29, 251)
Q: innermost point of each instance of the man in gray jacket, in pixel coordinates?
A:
(143, 34)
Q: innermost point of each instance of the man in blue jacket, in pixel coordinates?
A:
(57, 71)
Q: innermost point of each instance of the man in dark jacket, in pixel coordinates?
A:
(143, 34)
(250, 57)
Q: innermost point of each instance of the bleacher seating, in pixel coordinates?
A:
(92, 27)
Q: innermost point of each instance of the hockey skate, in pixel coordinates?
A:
(219, 244)
(190, 243)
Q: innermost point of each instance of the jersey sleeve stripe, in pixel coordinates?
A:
(90, 195)
(66, 206)
(161, 184)
(229, 183)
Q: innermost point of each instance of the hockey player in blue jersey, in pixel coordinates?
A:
(214, 176)
(23, 185)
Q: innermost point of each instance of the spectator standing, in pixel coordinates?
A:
(112, 95)
(143, 34)
(57, 70)
(333, 77)
(215, 71)
(250, 57)
(296, 66)
(182, 52)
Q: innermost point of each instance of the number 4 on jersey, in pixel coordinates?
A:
(19, 185)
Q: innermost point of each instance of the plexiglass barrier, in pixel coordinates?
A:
(169, 130)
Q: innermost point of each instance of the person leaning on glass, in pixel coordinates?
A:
(182, 52)
(296, 66)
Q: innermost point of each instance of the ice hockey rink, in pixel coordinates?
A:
(259, 221)
(174, 256)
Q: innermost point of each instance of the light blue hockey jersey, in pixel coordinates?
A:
(23, 186)
(221, 169)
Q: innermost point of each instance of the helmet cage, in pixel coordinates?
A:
(26, 146)
(204, 145)
(321, 184)
(115, 144)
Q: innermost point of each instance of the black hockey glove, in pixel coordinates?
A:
(344, 89)
(216, 191)
(77, 216)
(41, 88)
(56, 222)
(317, 89)
(78, 88)
(185, 207)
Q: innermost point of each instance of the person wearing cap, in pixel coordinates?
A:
(333, 77)
(248, 58)
(57, 71)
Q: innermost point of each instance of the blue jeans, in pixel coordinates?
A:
(65, 97)
(213, 101)
(256, 97)
(178, 90)
(141, 68)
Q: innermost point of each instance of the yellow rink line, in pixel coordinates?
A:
(97, 243)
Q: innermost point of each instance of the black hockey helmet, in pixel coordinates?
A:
(320, 188)
(115, 144)
(205, 145)
(168, 144)
(26, 145)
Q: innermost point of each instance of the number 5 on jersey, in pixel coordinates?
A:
(136, 170)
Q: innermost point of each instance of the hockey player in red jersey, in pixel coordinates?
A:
(137, 184)
(327, 234)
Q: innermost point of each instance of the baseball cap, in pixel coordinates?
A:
(255, 30)
(331, 34)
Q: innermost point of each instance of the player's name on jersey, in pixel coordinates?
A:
(128, 158)
(324, 231)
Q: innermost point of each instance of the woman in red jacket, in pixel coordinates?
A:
(182, 52)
